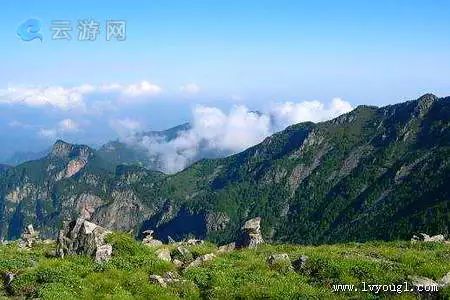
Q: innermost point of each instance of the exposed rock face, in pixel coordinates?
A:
(74, 166)
(251, 234)
(83, 237)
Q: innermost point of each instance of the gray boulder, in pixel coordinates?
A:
(423, 237)
(83, 237)
(251, 234)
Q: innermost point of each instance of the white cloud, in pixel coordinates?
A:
(126, 128)
(287, 113)
(70, 98)
(215, 132)
(55, 96)
(64, 126)
(190, 88)
(144, 88)
(68, 125)
(48, 133)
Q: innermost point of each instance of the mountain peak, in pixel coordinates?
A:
(63, 149)
(428, 97)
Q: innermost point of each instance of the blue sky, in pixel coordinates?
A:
(229, 52)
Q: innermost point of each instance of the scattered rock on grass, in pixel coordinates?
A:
(201, 259)
(168, 278)
(300, 263)
(149, 240)
(280, 260)
(164, 254)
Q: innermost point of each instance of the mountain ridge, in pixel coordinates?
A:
(355, 177)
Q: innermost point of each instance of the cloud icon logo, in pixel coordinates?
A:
(29, 30)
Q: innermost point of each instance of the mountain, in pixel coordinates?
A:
(20, 157)
(373, 173)
(134, 153)
(4, 168)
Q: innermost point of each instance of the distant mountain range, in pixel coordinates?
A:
(130, 150)
(23, 156)
(373, 173)
(134, 153)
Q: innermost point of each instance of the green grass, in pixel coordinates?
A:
(241, 274)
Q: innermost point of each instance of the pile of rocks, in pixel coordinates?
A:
(29, 237)
(83, 237)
